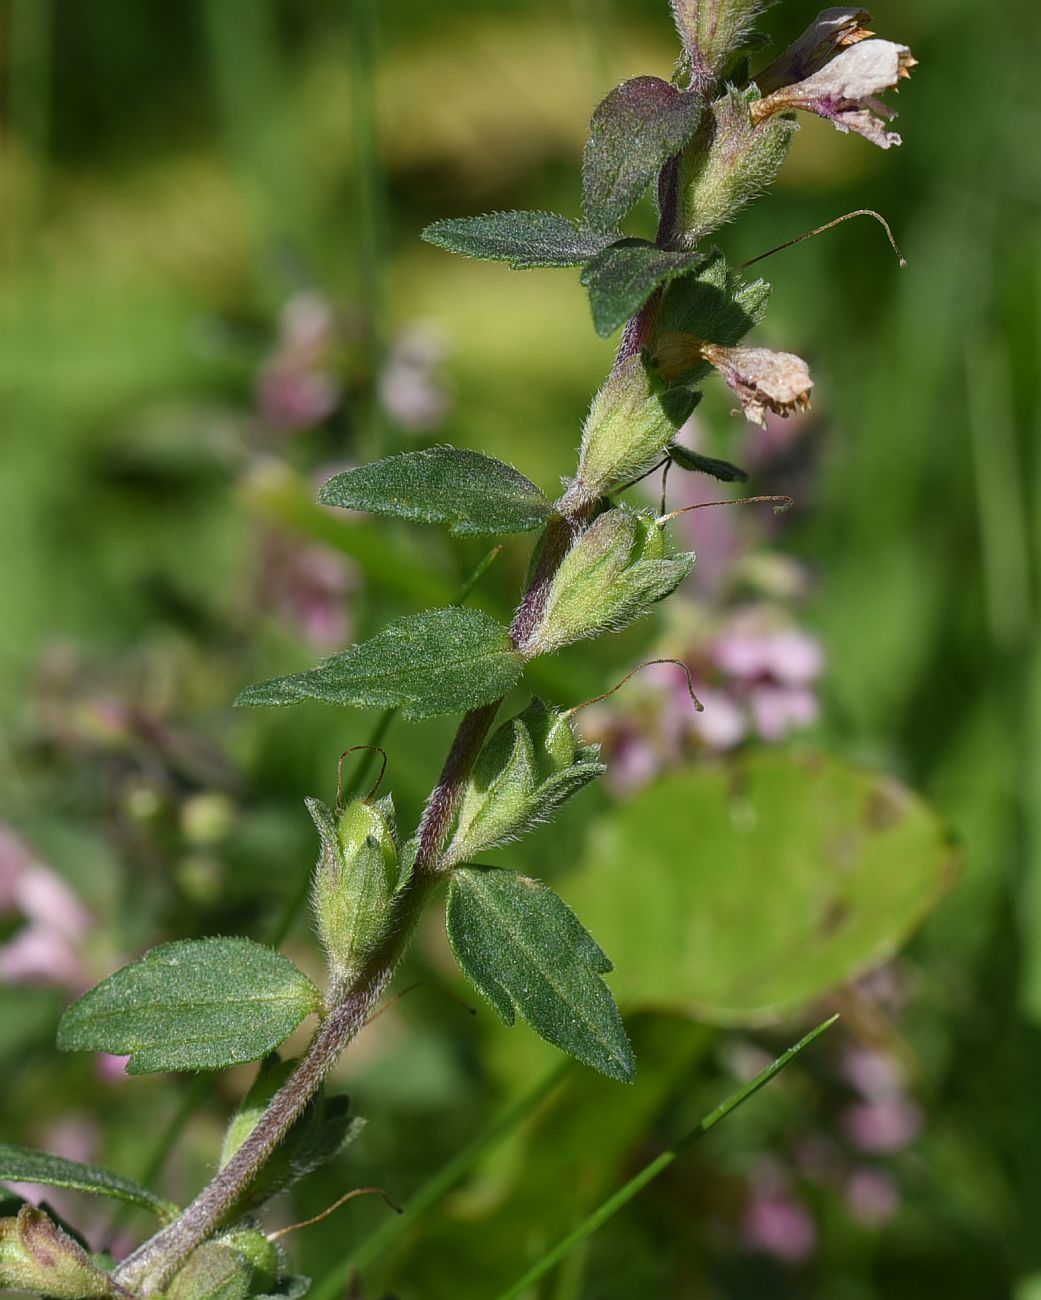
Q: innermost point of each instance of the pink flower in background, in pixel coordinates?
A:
(297, 386)
(722, 725)
(46, 949)
(882, 1126)
(411, 388)
(872, 1197)
(777, 1224)
(308, 588)
(111, 1069)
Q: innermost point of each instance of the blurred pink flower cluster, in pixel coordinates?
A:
(316, 360)
(735, 626)
(857, 1153)
(298, 385)
(51, 921)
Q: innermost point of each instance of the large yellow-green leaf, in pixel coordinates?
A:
(747, 889)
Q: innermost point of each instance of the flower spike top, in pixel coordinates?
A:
(845, 91)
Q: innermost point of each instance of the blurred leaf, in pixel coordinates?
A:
(290, 1287)
(523, 947)
(623, 277)
(474, 494)
(633, 131)
(198, 1004)
(21, 1165)
(437, 662)
(524, 239)
(747, 889)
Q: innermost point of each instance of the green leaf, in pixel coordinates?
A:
(639, 125)
(475, 495)
(198, 1004)
(525, 950)
(745, 890)
(438, 662)
(623, 277)
(524, 239)
(21, 1165)
(695, 462)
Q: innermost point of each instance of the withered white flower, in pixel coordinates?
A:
(829, 33)
(845, 91)
(762, 379)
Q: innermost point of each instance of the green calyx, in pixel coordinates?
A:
(36, 1255)
(355, 879)
(628, 426)
(213, 1271)
(728, 163)
(615, 571)
(525, 771)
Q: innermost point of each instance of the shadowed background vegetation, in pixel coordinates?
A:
(212, 294)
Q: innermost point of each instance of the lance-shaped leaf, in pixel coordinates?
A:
(526, 951)
(633, 131)
(475, 495)
(523, 239)
(697, 463)
(22, 1165)
(198, 1004)
(438, 662)
(623, 277)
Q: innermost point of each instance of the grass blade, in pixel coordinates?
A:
(625, 1194)
(434, 1189)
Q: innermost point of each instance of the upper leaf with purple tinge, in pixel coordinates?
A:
(640, 124)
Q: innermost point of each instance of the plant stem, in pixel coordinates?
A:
(151, 1266)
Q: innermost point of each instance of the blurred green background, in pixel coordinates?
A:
(213, 293)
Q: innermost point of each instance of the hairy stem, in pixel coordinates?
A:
(151, 1266)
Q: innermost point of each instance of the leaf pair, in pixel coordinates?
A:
(633, 132)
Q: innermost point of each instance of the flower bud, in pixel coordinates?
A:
(523, 774)
(355, 879)
(36, 1255)
(212, 1272)
(729, 162)
(845, 91)
(264, 1258)
(713, 31)
(763, 380)
(613, 573)
(628, 426)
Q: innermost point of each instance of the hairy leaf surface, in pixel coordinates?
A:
(474, 494)
(623, 277)
(523, 239)
(438, 662)
(197, 1004)
(633, 131)
(526, 950)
